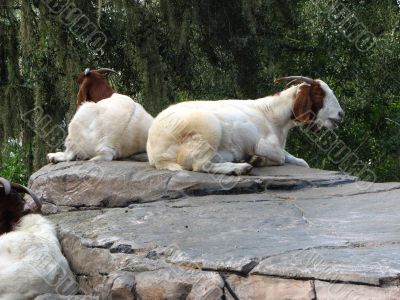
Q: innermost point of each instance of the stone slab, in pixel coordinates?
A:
(337, 291)
(270, 288)
(86, 185)
(352, 237)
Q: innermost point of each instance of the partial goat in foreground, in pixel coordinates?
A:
(31, 262)
(112, 128)
(216, 136)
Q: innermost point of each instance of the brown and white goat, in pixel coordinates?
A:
(215, 136)
(112, 128)
(94, 86)
(31, 262)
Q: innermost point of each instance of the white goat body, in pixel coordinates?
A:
(215, 136)
(112, 128)
(31, 262)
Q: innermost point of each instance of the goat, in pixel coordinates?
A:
(112, 128)
(93, 86)
(31, 262)
(215, 136)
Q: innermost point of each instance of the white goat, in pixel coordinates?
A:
(215, 136)
(112, 128)
(31, 262)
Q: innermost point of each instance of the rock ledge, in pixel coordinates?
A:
(132, 232)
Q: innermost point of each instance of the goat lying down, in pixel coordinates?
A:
(215, 136)
(31, 262)
(112, 128)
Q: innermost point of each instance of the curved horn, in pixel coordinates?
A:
(105, 71)
(301, 78)
(87, 71)
(6, 184)
(23, 189)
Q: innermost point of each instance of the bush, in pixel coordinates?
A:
(12, 166)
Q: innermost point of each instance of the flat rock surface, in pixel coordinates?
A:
(284, 231)
(76, 185)
(352, 239)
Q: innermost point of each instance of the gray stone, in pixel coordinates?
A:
(59, 297)
(176, 283)
(93, 285)
(350, 238)
(209, 287)
(337, 291)
(361, 241)
(269, 288)
(131, 231)
(120, 286)
(81, 258)
(83, 184)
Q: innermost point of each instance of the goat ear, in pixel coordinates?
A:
(82, 94)
(317, 97)
(302, 108)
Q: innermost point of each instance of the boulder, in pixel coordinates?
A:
(84, 184)
(137, 233)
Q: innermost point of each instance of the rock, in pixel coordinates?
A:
(348, 238)
(209, 287)
(360, 234)
(337, 291)
(160, 285)
(79, 257)
(59, 297)
(137, 233)
(83, 184)
(176, 283)
(93, 285)
(97, 184)
(269, 288)
(120, 286)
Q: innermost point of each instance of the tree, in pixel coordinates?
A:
(178, 50)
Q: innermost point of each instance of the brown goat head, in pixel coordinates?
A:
(309, 99)
(94, 86)
(308, 102)
(12, 204)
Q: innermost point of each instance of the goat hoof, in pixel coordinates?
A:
(303, 163)
(51, 158)
(257, 161)
(242, 170)
(247, 169)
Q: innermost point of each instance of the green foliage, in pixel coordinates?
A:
(365, 81)
(177, 50)
(12, 165)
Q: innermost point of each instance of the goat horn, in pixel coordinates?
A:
(21, 189)
(105, 71)
(301, 78)
(292, 82)
(24, 189)
(6, 184)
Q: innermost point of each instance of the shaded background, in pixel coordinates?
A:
(178, 50)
